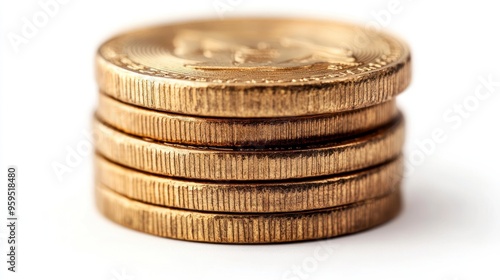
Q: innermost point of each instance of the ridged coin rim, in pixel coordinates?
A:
(225, 132)
(246, 228)
(191, 162)
(269, 197)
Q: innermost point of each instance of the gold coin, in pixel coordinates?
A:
(246, 228)
(254, 67)
(206, 163)
(224, 132)
(250, 197)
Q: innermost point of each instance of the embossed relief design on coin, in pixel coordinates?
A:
(216, 51)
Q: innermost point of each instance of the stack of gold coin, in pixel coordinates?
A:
(250, 130)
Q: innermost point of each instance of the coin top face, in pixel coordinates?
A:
(256, 51)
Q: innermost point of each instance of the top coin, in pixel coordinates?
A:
(254, 67)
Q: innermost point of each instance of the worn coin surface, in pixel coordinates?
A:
(254, 67)
(206, 163)
(259, 197)
(246, 228)
(255, 132)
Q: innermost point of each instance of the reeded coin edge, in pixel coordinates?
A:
(250, 197)
(246, 228)
(251, 101)
(226, 132)
(265, 164)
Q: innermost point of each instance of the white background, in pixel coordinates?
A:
(450, 226)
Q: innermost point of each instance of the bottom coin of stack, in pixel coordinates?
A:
(250, 227)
